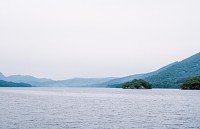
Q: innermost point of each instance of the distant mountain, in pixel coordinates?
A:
(170, 76)
(117, 81)
(175, 75)
(12, 84)
(26, 79)
(2, 77)
(75, 82)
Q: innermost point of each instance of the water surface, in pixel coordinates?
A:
(87, 108)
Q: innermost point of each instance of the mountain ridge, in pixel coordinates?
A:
(114, 82)
(40, 82)
(175, 75)
(169, 76)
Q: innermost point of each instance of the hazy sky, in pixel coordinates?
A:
(62, 39)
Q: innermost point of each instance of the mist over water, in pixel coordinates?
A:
(61, 108)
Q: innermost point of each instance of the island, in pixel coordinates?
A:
(191, 84)
(137, 84)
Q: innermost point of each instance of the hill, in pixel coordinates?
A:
(175, 75)
(118, 81)
(26, 79)
(75, 82)
(12, 84)
(170, 76)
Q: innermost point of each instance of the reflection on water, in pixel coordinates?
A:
(66, 108)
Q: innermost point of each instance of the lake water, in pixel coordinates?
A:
(87, 108)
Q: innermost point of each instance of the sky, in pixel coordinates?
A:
(63, 39)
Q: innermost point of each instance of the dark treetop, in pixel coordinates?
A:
(137, 84)
(192, 84)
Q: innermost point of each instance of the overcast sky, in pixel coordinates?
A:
(63, 39)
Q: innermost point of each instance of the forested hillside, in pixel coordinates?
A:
(174, 76)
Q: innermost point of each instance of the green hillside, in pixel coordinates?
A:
(174, 76)
(118, 82)
(12, 84)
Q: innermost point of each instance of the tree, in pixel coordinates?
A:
(192, 84)
(137, 84)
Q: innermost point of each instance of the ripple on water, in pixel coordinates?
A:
(61, 108)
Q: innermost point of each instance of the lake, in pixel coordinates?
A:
(98, 108)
